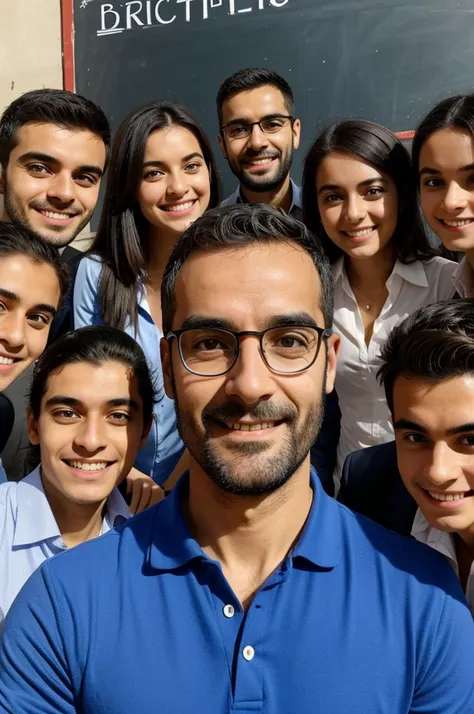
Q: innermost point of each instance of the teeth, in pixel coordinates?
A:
(261, 161)
(57, 216)
(179, 207)
(358, 234)
(457, 224)
(252, 427)
(447, 496)
(6, 360)
(87, 465)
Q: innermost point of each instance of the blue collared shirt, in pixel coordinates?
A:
(29, 534)
(296, 199)
(164, 446)
(356, 619)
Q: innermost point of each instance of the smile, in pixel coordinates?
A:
(449, 496)
(457, 224)
(7, 360)
(88, 465)
(178, 207)
(57, 216)
(360, 233)
(251, 427)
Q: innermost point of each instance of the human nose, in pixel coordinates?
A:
(257, 139)
(90, 434)
(61, 187)
(355, 208)
(177, 185)
(442, 467)
(455, 197)
(12, 329)
(250, 380)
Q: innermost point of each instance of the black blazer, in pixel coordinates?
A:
(372, 486)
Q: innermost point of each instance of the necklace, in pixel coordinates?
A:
(370, 303)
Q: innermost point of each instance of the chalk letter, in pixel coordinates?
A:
(278, 3)
(133, 15)
(261, 6)
(231, 7)
(158, 16)
(104, 10)
(188, 8)
(148, 12)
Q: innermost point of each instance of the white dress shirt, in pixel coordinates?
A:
(463, 279)
(365, 416)
(444, 543)
(29, 534)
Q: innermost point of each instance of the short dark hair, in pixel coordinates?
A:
(243, 225)
(94, 345)
(376, 145)
(454, 112)
(254, 78)
(51, 106)
(19, 240)
(435, 342)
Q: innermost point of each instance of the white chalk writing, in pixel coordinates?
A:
(117, 17)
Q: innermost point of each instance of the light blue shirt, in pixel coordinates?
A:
(3, 475)
(29, 534)
(164, 446)
(296, 199)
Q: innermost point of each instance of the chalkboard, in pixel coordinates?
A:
(386, 60)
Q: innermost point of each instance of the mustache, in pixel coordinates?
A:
(41, 206)
(263, 411)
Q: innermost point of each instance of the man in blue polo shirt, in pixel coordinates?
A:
(248, 589)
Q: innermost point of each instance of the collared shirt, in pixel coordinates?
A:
(29, 533)
(365, 415)
(443, 542)
(356, 618)
(463, 279)
(296, 200)
(164, 447)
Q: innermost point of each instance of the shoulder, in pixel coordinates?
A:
(439, 266)
(8, 494)
(89, 265)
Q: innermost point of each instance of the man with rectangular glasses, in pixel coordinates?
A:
(247, 589)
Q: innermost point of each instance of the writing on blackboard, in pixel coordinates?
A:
(116, 18)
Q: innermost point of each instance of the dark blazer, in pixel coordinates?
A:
(324, 450)
(371, 485)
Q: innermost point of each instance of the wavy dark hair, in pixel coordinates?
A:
(376, 145)
(121, 240)
(435, 342)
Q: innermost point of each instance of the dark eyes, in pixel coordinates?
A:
(372, 192)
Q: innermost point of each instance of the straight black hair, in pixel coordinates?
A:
(436, 342)
(121, 240)
(51, 106)
(253, 78)
(244, 225)
(93, 345)
(376, 145)
(19, 240)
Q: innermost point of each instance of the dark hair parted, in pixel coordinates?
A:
(94, 345)
(436, 342)
(378, 146)
(19, 240)
(121, 241)
(51, 106)
(454, 112)
(239, 226)
(253, 78)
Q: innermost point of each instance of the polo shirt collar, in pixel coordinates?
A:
(173, 546)
(412, 272)
(296, 196)
(35, 521)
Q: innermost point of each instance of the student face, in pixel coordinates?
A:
(175, 188)
(51, 182)
(250, 288)
(358, 205)
(29, 298)
(89, 430)
(260, 161)
(447, 187)
(435, 446)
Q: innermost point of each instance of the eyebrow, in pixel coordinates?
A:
(60, 399)
(367, 182)
(285, 320)
(48, 159)
(13, 297)
(412, 425)
(188, 157)
(429, 170)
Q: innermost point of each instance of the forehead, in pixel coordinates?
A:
(32, 282)
(69, 147)
(435, 404)
(248, 285)
(93, 385)
(448, 149)
(346, 170)
(172, 142)
(253, 104)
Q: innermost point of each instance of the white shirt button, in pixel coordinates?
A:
(248, 653)
(228, 610)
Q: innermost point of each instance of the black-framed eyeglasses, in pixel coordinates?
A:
(212, 352)
(269, 125)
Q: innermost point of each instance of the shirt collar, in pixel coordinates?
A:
(173, 545)
(35, 521)
(412, 272)
(463, 279)
(296, 196)
(438, 540)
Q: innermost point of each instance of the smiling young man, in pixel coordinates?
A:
(90, 409)
(247, 588)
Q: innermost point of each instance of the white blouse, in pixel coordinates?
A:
(365, 415)
(463, 279)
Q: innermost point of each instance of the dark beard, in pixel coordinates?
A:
(272, 184)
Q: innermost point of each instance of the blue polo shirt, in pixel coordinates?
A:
(356, 619)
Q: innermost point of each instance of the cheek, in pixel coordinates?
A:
(87, 197)
(330, 217)
(36, 341)
(148, 195)
(201, 184)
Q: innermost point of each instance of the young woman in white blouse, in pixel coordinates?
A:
(443, 158)
(359, 197)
